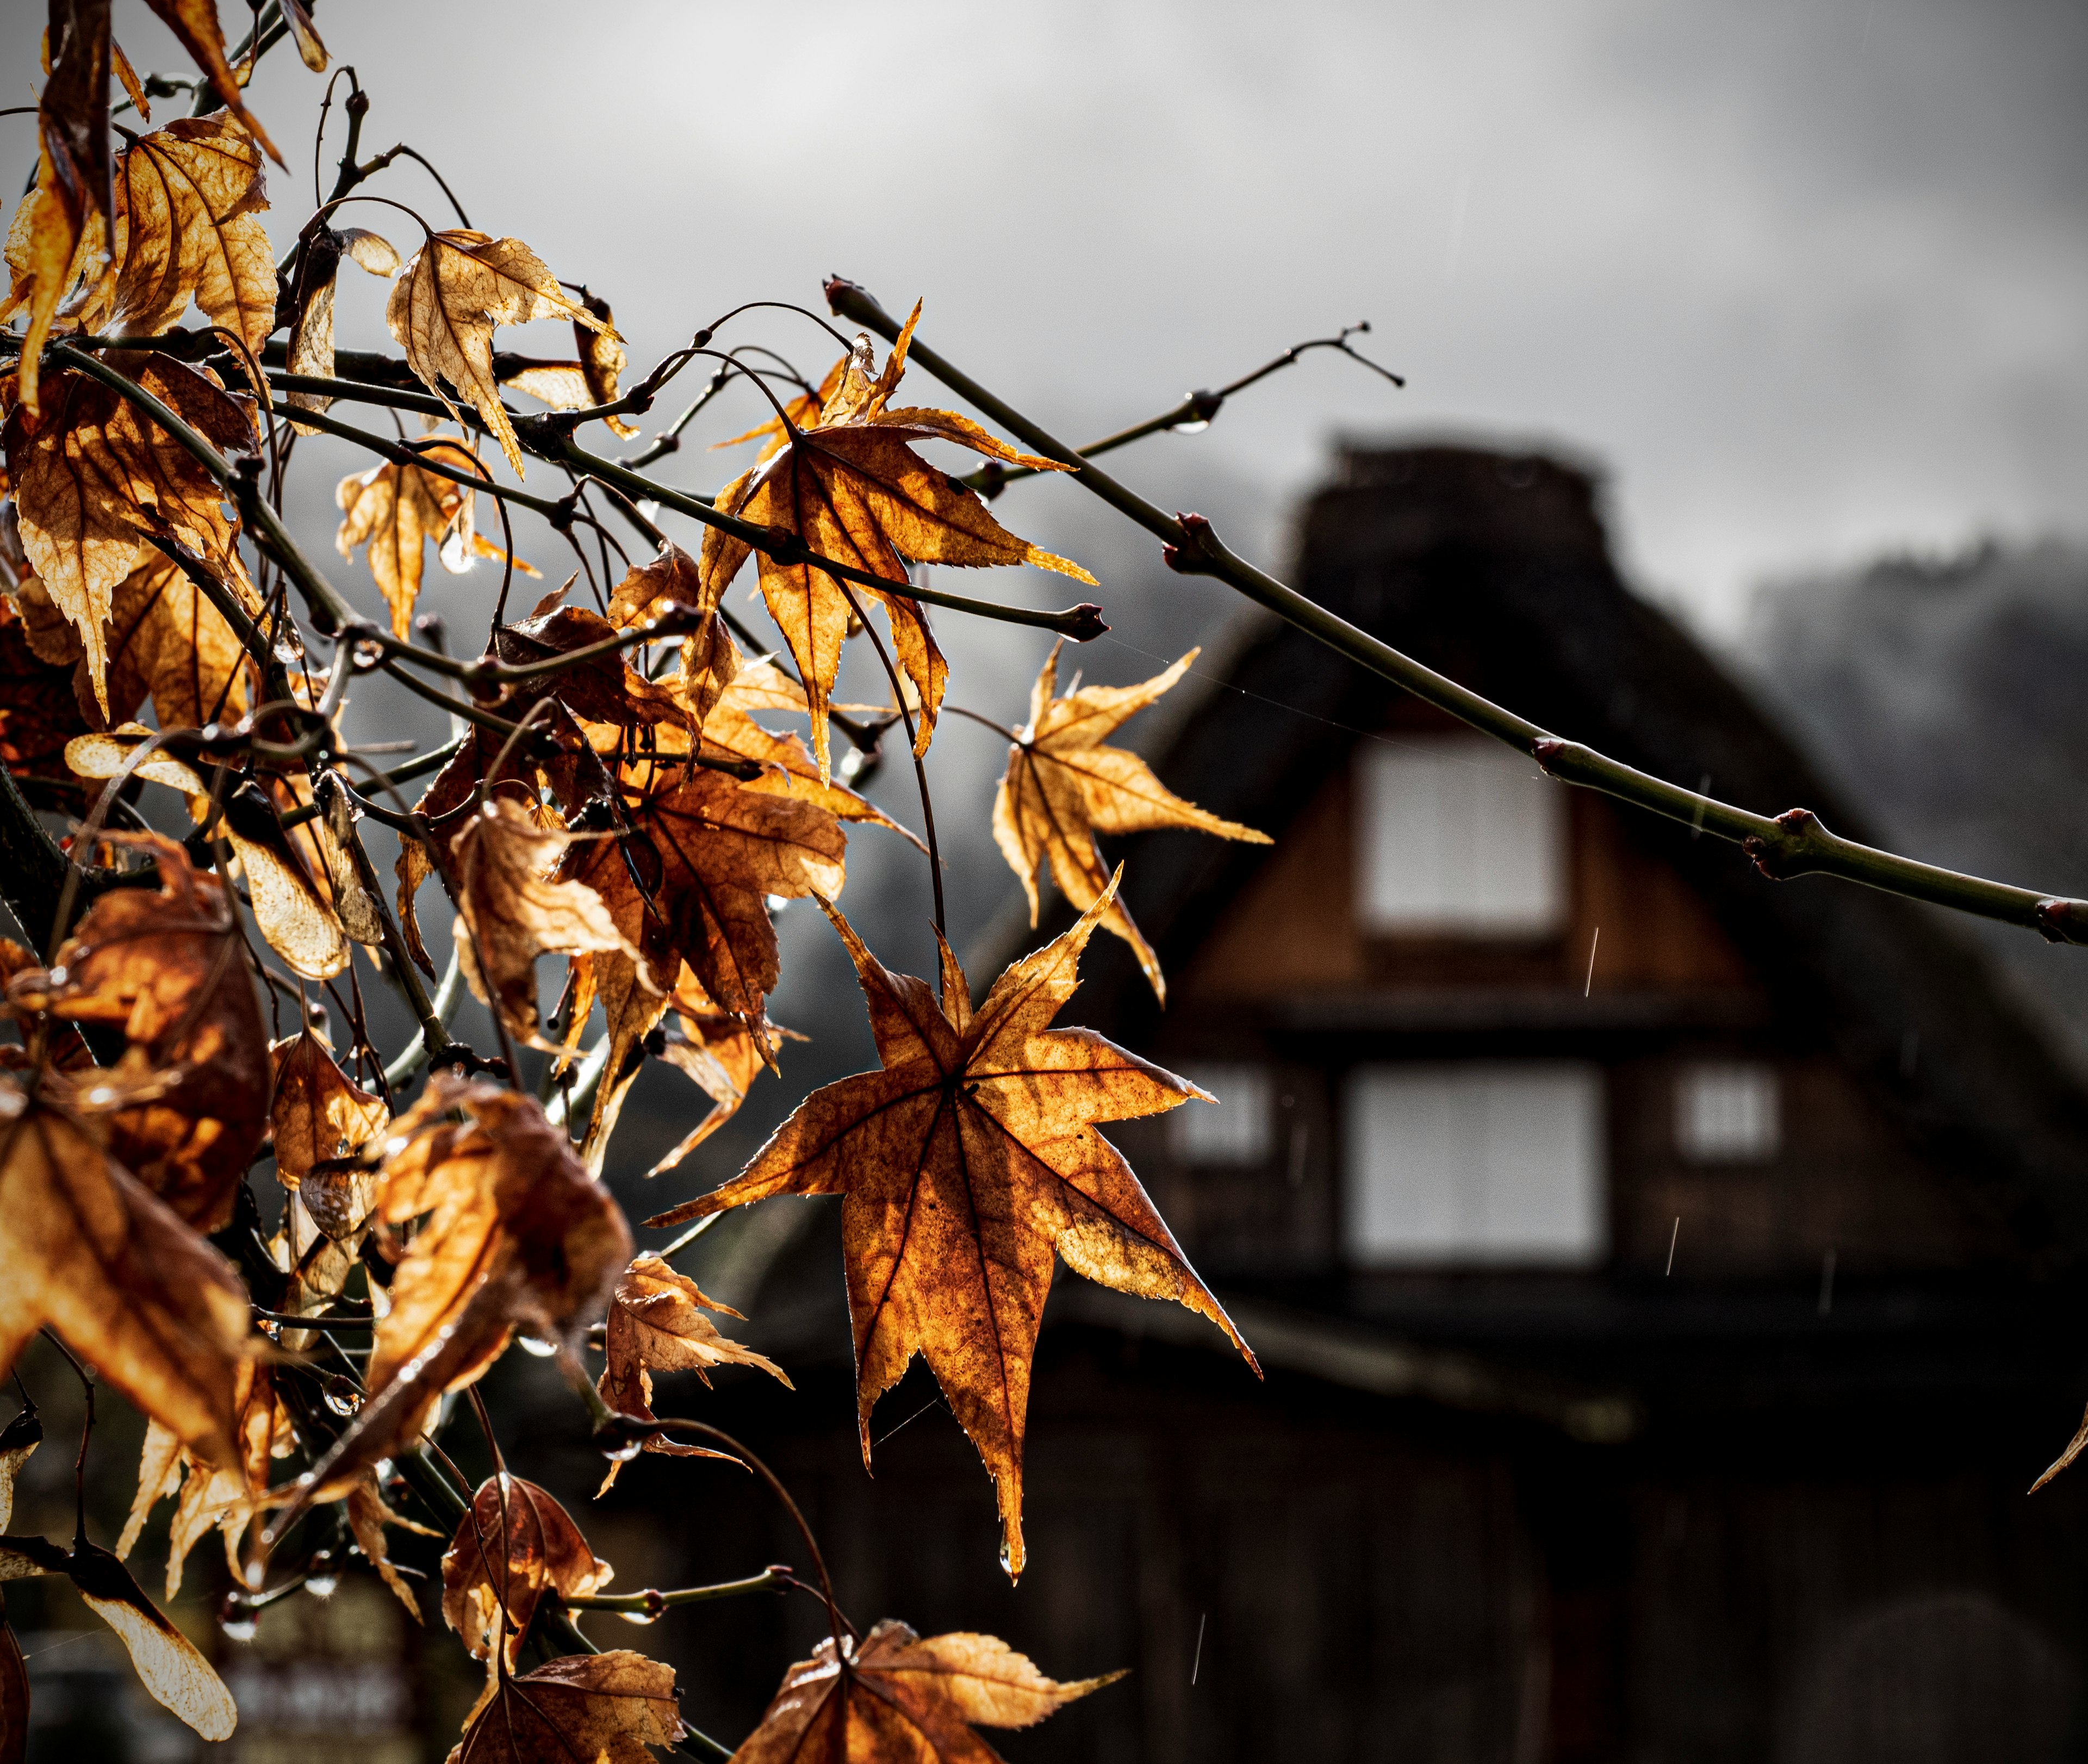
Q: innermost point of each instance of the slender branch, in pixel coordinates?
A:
(1788, 845)
(651, 1603)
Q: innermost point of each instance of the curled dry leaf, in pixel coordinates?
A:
(893, 1698)
(166, 1662)
(310, 348)
(128, 1286)
(656, 1324)
(92, 478)
(604, 688)
(194, 23)
(451, 294)
(602, 359)
(516, 1544)
(50, 239)
(189, 199)
(514, 1233)
(393, 511)
(1063, 787)
(967, 1162)
(319, 1116)
(21, 1436)
(720, 1053)
(310, 50)
(367, 1517)
(510, 912)
(226, 1497)
(671, 585)
(851, 487)
(610, 1708)
(168, 967)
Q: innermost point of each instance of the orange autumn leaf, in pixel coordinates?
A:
(393, 511)
(514, 1545)
(189, 199)
(591, 380)
(1063, 787)
(656, 1323)
(851, 487)
(310, 351)
(317, 1116)
(451, 294)
(609, 1708)
(168, 967)
(166, 1662)
(510, 912)
(717, 1051)
(67, 217)
(968, 1161)
(894, 1698)
(92, 478)
(513, 1234)
(94, 1254)
(671, 586)
(194, 23)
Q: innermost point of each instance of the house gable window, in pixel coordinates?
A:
(1475, 1165)
(1728, 1113)
(1240, 1131)
(1457, 835)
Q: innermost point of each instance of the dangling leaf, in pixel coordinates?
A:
(609, 1708)
(194, 23)
(516, 1544)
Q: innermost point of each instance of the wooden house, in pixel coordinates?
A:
(1669, 1282)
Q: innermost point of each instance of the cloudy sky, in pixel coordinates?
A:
(1807, 277)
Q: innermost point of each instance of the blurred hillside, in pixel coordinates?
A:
(1943, 696)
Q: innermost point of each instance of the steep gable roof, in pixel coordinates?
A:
(1495, 569)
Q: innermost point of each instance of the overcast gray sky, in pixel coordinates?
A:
(1808, 276)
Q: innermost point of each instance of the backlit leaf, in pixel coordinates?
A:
(516, 1544)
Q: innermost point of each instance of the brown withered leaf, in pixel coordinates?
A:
(707, 852)
(672, 585)
(131, 1289)
(227, 1497)
(92, 478)
(511, 912)
(967, 1162)
(542, 1551)
(604, 688)
(38, 713)
(451, 294)
(610, 1708)
(311, 51)
(893, 1698)
(720, 1053)
(602, 359)
(168, 967)
(1064, 786)
(787, 769)
(367, 1517)
(656, 1323)
(318, 1115)
(189, 199)
(310, 348)
(23, 1434)
(514, 1233)
(393, 511)
(166, 1662)
(194, 23)
(50, 239)
(853, 489)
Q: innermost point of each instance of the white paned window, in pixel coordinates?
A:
(1240, 1129)
(1473, 1165)
(1458, 835)
(1728, 1114)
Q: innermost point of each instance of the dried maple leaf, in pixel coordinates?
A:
(852, 488)
(510, 912)
(393, 511)
(588, 382)
(609, 1708)
(966, 1162)
(516, 1544)
(310, 348)
(367, 1517)
(656, 1324)
(189, 199)
(93, 1253)
(317, 1116)
(194, 23)
(720, 1053)
(168, 967)
(1063, 787)
(893, 1698)
(226, 1497)
(451, 294)
(50, 239)
(514, 1233)
(672, 586)
(691, 881)
(92, 478)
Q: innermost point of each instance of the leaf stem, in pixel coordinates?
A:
(649, 1602)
